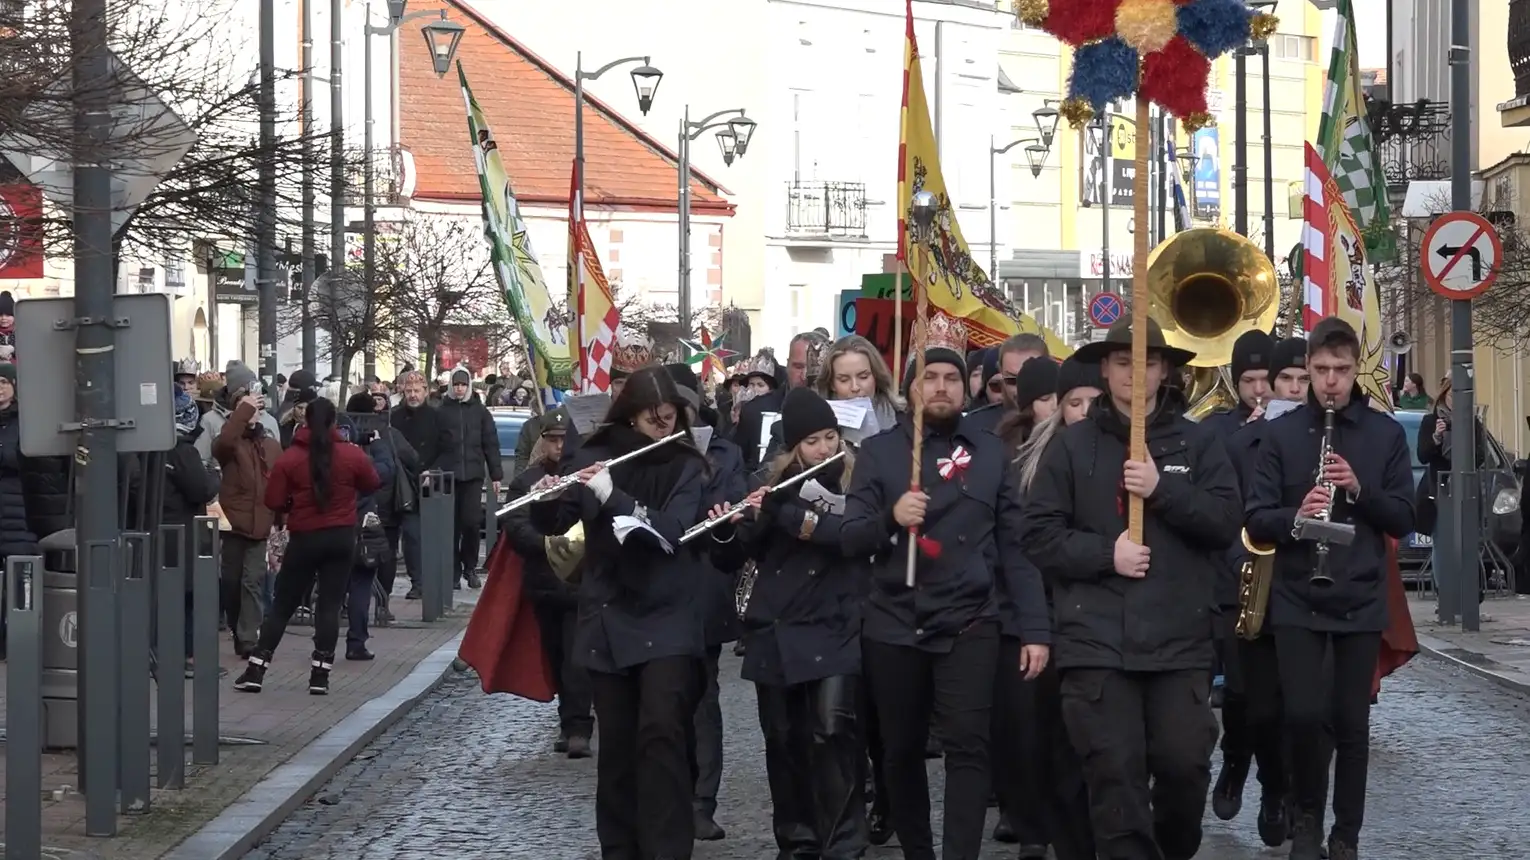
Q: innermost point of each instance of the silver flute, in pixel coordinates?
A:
(567, 481)
(702, 528)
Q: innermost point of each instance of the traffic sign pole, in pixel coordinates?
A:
(1465, 490)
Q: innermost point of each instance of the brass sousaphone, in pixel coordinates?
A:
(1206, 287)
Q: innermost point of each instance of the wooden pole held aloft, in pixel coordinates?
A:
(1138, 441)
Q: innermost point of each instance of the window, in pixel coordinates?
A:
(1299, 48)
(175, 272)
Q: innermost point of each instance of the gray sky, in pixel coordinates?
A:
(1372, 40)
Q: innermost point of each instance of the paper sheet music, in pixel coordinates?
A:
(767, 423)
(1277, 408)
(702, 436)
(623, 526)
(821, 498)
(852, 413)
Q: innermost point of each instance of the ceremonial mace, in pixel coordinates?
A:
(1137, 449)
(922, 210)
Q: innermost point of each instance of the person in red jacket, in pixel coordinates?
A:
(315, 484)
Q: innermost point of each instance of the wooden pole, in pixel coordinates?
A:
(1138, 446)
(916, 401)
(897, 370)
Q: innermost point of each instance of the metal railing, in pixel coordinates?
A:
(1412, 141)
(817, 209)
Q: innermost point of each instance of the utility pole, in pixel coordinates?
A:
(1240, 140)
(336, 178)
(310, 336)
(1269, 158)
(1465, 490)
(265, 224)
(95, 374)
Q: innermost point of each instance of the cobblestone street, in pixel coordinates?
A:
(468, 776)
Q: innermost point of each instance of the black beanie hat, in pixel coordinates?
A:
(684, 376)
(1037, 378)
(1289, 352)
(974, 359)
(1251, 351)
(990, 364)
(361, 401)
(1073, 373)
(803, 413)
(7, 304)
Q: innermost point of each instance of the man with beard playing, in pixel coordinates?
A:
(933, 647)
(1134, 626)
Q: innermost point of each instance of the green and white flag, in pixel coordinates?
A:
(515, 263)
(1347, 145)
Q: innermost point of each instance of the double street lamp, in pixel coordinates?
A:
(1035, 156)
(1240, 132)
(442, 36)
(733, 140)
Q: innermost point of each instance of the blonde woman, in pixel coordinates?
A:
(802, 626)
(852, 369)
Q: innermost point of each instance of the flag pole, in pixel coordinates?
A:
(923, 212)
(898, 325)
(1138, 438)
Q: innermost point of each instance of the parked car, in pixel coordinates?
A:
(1500, 495)
(508, 421)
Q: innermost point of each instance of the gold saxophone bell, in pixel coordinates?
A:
(1254, 581)
(565, 551)
(1206, 287)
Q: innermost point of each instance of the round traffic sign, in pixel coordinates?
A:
(1460, 255)
(1105, 309)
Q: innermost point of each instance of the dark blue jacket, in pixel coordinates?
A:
(382, 461)
(1376, 448)
(803, 621)
(728, 485)
(637, 602)
(987, 416)
(974, 516)
(1076, 509)
(1225, 425)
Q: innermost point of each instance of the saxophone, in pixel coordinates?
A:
(1254, 580)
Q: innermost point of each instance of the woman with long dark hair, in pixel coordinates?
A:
(1035, 401)
(639, 629)
(314, 485)
(802, 629)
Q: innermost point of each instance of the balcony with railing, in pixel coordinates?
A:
(826, 210)
(1412, 142)
(392, 176)
(1516, 112)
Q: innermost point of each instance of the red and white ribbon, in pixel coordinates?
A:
(954, 464)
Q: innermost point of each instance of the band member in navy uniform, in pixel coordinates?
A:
(1366, 480)
(639, 632)
(1251, 374)
(934, 646)
(1134, 622)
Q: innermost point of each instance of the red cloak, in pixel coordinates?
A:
(503, 642)
(1398, 642)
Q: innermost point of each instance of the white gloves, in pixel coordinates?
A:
(601, 485)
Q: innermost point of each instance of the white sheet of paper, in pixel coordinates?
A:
(767, 423)
(702, 436)
(623, 526)
(1277, 408)
(852, 413)
(821, 498)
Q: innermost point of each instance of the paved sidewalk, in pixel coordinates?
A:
(284, 719)
(1500, 651)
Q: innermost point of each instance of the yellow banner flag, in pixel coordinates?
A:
(941, 263)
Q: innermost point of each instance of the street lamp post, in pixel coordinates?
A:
(1035, 156)
(645, 81)
(1263, 47)
(442, 37)
(733, 140)
(1100, 130)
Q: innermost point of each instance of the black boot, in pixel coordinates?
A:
(707, 829)
(254, 675)
(1306, 838)
(1274, 824)
(579, 746)
(318, 676)
(1004, 831)
(473, 581)
(1227, 796)
(1338, 849)
(879, 829)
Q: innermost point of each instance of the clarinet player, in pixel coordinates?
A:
(1366, 480)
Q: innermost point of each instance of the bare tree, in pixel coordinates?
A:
(354, 317)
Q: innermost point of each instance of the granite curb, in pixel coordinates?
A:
(259, 811)
(1478, 664)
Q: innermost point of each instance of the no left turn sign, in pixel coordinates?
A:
(1461, 254)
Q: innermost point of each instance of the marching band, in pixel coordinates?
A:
(994, 600)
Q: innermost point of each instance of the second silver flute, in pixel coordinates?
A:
(567, 481)
(702, 528)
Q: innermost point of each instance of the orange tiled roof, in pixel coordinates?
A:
(530, 105)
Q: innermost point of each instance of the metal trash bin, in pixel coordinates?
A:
(61, 642)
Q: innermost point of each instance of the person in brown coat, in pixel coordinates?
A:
(246, 450)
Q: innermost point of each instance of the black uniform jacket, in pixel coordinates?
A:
(803, 621)
(1376, 448)
(975, 517)
(986, 416)
(728, 485)
(1225, 425)
(751, 416)
(637, 601)
(538, 580)
(1075, 511)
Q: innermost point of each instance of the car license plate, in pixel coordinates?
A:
(1422, 540)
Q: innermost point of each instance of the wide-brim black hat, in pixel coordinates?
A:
(1120, 337)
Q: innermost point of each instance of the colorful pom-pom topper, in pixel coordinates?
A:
(1160, 50)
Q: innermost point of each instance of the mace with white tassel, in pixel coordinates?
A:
(922, 210)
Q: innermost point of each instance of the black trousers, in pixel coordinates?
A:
(908, 684)
(1020, 748)
(469, 521)
(1237, 740)
(642, 776)
(322, 557)
(706, 738)
(1345, 705)
(557, 624)
(876, 751)
(1265, 713)
(1071, 833)
(1146, 740)
(812, 760)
